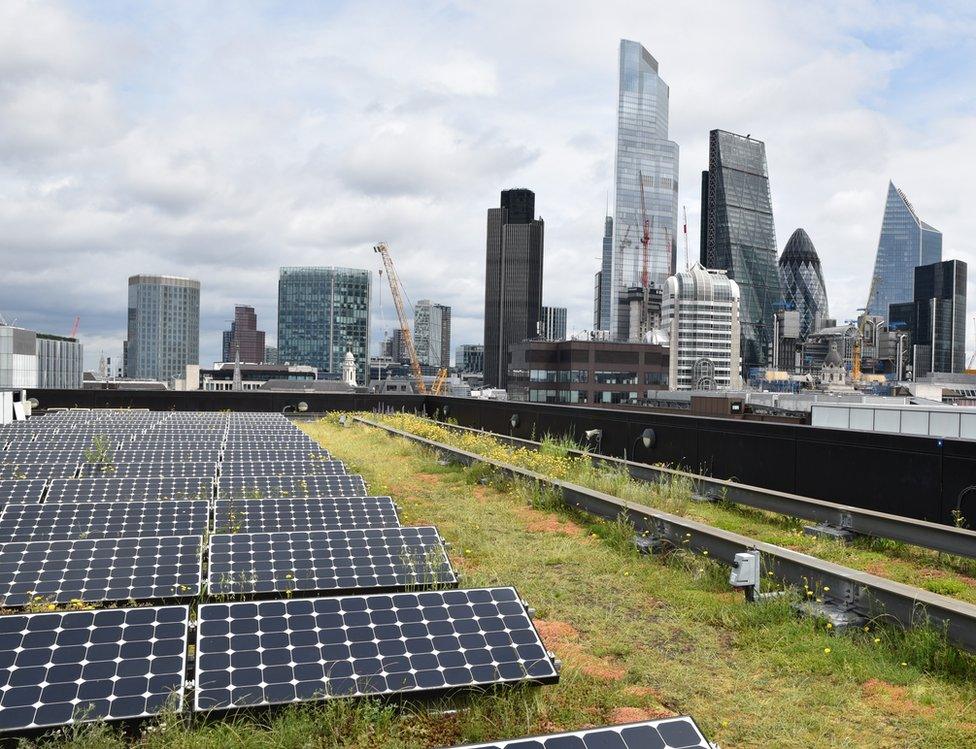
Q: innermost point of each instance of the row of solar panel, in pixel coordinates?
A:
(63, 667)
(197, 455)
(171, 468)
(143, 569)
(79, 520)
(169, 488)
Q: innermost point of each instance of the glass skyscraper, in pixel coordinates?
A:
(643, 155)
(432, 333)
(322, 313)
(163, 327)
(803, 283)
(738, 235)
(905, 242)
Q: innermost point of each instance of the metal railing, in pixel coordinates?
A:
(852, 590)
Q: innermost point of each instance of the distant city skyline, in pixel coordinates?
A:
(219, 172)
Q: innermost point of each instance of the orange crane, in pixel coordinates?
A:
(439, 382)
(74, 328)
(395, 291)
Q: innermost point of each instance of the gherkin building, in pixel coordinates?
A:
(803, 283)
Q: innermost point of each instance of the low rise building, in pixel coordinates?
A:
(29, 359)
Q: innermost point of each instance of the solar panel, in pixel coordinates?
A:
(272, 652)
(21, 490)
(100, 569)
(176, 455)
(65, 667)
(15, 457)
(282, 468)
(235, 455)
(136, 470)
(38, 470)
(127, 489)
(55, 521)
(301, 514)
(328, 561)
(665, 733)
(291, 486)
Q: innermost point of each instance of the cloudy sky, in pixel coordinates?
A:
(222, 140)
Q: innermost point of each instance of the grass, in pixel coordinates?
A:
(638, 637)
(940, 573)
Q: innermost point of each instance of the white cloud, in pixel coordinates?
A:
(222, 143)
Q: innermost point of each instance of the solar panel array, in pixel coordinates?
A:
(666, 733)
(99, 507)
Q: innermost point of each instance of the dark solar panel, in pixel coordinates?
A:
(15, 457)
(54, 521)
(301, 514)
(139, 469)
(21, 490)
(232, 455)
(328, 561)
(290, 486)
(666, 733)
(65, 667)
(195, 455)
(282, 468)
(100, 569)
(271, 652)
(127, 489)
(38, 470)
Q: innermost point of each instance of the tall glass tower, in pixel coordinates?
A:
(163, 332)
(803, 282)
(644, 156)
(322, 314)
(905, 243)
(738, 235)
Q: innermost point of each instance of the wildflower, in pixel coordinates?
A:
(827, 651)
(826, 588)
(829, 625)
(877, 640)
(903, 663)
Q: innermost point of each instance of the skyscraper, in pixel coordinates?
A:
(469, 358)
(552, 325)
(905, 243)
(936, 319)
(322, 313)
(601, 281)
(803, 284)
(432, 333)
(701, 310)
(163, 334)
(645, 161)
(243, 339)
(513, 280)
(738, 235)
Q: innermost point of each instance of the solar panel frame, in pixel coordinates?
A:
(348, 561)
(272, 514)
(127, 489)
(380, 644)
(95, 668)
(350, 485)
(61, 521)
(679, 732)
(97, 570)
(22, 491)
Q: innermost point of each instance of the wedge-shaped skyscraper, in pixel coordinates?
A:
(803, 282)
(905, 243)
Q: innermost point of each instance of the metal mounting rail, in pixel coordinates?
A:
(935, 536)
(859, 592)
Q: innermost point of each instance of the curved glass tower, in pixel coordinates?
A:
(905, 243)
(803, 282)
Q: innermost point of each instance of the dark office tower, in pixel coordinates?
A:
(602, 280)
(513, 280)
(802, 281)
(244, 339)
(739, 236)
(936, 319)
(906, 242)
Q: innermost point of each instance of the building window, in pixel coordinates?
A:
(615, 378)
(613, 397)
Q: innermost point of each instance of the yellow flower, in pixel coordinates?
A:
(827, 651)
(903, 663)
(829, 625)
(826, 588)
(877, 640)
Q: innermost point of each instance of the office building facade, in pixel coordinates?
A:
(432, 333)
(323, 312)
(244, 339)
(163, 327)
(39, 360)
(587, 372)
(700, 312)
(513, 280)
(936, 320)
(645, 161)
(801, 278)
(739, 237)
(470, 358)
(906, 242)
(552, 326)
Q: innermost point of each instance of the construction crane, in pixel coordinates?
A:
(645, 280)
(972, 359)
(74, 328)
(395, 292)
(439, 381)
